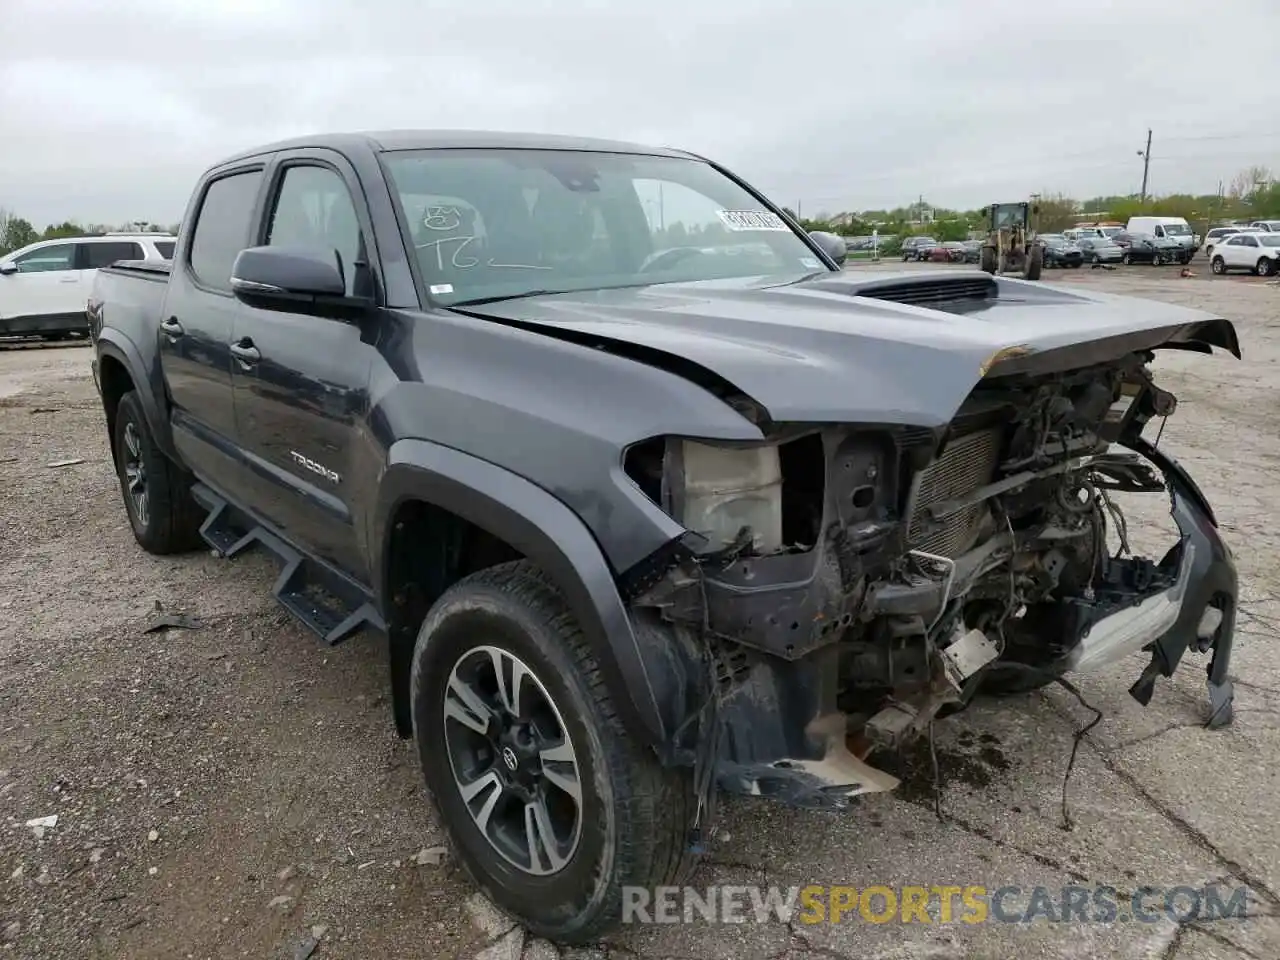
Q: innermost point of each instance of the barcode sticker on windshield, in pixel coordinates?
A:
(752, 220)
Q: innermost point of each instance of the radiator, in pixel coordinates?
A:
(967, 462)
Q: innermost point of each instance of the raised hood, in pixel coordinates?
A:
(864, 347)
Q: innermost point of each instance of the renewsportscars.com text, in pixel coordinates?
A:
(971, 904)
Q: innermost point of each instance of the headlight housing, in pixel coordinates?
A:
(716, 491)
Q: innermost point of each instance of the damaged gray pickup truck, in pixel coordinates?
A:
(649, 498)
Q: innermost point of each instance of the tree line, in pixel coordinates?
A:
(17, 232)
(1252, 194)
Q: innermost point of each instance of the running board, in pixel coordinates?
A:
(323, 599)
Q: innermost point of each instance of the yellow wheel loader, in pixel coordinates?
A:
(1011, 245)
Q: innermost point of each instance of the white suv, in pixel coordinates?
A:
(1256, 252)
(44, 286)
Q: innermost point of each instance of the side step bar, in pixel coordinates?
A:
(326, 601)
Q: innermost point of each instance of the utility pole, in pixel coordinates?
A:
(1146, 166)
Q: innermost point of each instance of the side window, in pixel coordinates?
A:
(314, 210)
(1236, 241)
(1250, 241)
(223, 227)
(101, 254)
(165, 248)
(1159, 231)
(60, 256)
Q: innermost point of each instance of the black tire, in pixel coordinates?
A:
(1157, 260)
(163, 516)
(1218, 266)
(1076, 265)
(634, 814)
(1266, 267)
(1034, 264)
(987, 259)
(1126, 259)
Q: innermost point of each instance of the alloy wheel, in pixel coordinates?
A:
(135, 474)
(513, 761)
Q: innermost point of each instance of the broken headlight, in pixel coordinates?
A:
(727, 494)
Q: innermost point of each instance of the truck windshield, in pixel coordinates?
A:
(1177, 230)
(504, 223)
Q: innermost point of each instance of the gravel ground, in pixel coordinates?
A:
(237, 790)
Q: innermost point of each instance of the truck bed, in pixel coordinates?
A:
(133, 292)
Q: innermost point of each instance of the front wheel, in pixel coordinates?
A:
(1266, 266)
(1033, 264)
(157, 492)
(987, 260)
(1218, 266)
(1127, 259)
(551, 805)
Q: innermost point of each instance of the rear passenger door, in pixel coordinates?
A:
(196, 325)
(301, 381)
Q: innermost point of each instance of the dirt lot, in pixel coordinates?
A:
(236, 789)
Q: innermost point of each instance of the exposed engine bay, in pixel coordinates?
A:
(847, 585)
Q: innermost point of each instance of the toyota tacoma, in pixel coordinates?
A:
(650, 500)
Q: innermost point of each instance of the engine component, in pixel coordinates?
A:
(717, 492)
(966, 463)
(968, 654)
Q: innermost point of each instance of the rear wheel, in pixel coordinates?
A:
(157, 492)
(552, 807)
(1218, 266)
(1127, 259)
(1266, 266)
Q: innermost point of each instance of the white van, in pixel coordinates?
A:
(1171, 228)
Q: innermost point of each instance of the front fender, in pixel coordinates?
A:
(549, 534)
(111, 343)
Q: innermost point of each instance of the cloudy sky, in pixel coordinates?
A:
(109, 110)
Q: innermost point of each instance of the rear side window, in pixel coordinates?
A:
(223, 227)
(165, 248)
(101, 254)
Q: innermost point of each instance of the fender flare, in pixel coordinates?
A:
(122, 350)
(550, 535)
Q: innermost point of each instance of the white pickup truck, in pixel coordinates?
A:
(44, 286)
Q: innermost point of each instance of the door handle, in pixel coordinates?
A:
(68, 279)
(172, 327)
(244, 351)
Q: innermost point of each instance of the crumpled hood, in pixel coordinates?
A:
(834, 349)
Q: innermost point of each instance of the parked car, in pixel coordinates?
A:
(1214, 234)
(638, 528)
(43, 286)
(917, 248)
(1267, 226)
(1147, 248)
(1061, 252)
(1097, 250)
(972, 251)
(1076, 234)
(1256, 252)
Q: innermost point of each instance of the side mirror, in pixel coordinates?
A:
(292, 279)
(7, 269)
(832, 245)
